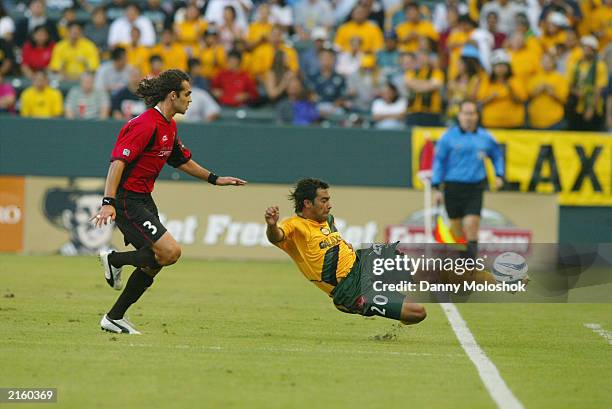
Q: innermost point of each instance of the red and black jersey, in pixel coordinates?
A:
(145, 144)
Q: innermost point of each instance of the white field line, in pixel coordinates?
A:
(492, 380)
(598, 329)
(269, 349)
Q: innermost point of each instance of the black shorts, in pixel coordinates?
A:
(462, 199)
(138, 219)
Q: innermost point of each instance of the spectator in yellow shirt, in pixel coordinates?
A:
(455, 42)
(588, 81)
(191, 28)
(553, 33)
(173, 55)
(259, 30)
(40, 100)
(466, 83)
(137, 54)
(371, 35)
(548, 91)
(265, 54)
(523, 60)
(410, 32)
(75, 55)
(211, 53)
(602, 23)
(424, 85)
(502, 95)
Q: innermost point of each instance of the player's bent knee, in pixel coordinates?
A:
(170, 255)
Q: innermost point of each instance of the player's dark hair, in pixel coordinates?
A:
(154, 90)
(469, 101)
(306, 189)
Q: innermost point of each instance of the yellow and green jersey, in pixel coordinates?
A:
(319, 251)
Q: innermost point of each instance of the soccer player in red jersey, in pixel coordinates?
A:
(143, 146)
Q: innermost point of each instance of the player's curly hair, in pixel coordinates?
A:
(306, 189)
(154, 90)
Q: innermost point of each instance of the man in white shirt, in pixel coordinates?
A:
(120, 30)
(203, 107)
(214, 11)
(506, 10)
(114, 74)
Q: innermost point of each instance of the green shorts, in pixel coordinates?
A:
(356, 295)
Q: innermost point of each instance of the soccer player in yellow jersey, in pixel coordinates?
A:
(311, 239)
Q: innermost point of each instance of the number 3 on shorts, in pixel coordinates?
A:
(151, 227)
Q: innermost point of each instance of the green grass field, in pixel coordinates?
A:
(258, 335)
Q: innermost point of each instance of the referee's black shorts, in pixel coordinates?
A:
(462, 199)
(137, 218)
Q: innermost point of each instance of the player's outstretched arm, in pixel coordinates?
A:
(192, 168)
(273, 232)
(107, 212)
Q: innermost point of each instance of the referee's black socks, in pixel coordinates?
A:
(136, 285)
(143, 257)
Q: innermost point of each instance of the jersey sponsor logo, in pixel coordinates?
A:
(330, 241)
(164, 152)
(126, 152)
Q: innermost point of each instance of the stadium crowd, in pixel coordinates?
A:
(541, 64)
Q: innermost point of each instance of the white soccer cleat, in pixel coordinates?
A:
(111, 273)
(122, 326)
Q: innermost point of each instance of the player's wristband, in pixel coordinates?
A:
(212, 178)
(108, 201)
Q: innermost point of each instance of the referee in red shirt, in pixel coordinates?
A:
(143, 146)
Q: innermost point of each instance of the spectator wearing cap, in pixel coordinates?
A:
(35, 16)
(387, 59)
(506, 10)
(308, 57)
(568, 8)
(172, 53)
(413, 29)
(424, 85)
(211, 54)
(465, 85)
(523, 60)
(310, 14)
(137, 54)
(328, 86)
(114, 74)
(588, 81)
(553, 33)
(276, 48)
(389, 111)
(120, 29)
(97, 29)
(40, 100)
(74, 55)
(259, 30)
(232, 86)
(548, 90)
(85, 101)
(370, 34)
(502, 95)
(191, 28)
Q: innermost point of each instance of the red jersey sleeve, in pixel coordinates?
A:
(180, 154)
(132, 140)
